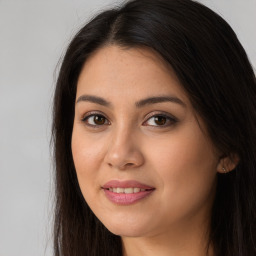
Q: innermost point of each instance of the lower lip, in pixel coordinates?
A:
(126, 199)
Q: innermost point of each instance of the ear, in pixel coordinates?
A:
(228, 163)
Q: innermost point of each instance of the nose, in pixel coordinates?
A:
(124, 151)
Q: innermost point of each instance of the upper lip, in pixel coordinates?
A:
(125, 184)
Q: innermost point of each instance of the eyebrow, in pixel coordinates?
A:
(94, 99)
(138, 104)
(159, 99)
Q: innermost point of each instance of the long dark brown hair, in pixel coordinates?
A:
(213, 69)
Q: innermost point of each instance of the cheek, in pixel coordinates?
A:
(185, 156)
(87, 155)
(186, 149)
(186, 166)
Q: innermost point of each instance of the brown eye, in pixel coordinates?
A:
(160, 120)
(99, 120)
(95, 120)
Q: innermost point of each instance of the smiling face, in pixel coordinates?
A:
(135, 129)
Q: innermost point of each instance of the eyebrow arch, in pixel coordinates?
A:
(94, 99)
(138, 104)
(159, 99)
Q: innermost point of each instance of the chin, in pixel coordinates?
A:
(126, 229)
(126, 232)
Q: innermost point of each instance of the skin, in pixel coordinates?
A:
(177, 158)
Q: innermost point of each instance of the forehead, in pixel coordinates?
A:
(115, 71)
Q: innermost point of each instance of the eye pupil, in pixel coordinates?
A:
(99, 120)
(160, 120)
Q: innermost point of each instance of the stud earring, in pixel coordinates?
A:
(224, 169)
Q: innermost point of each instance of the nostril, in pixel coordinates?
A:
(124, 166)
(129, 164)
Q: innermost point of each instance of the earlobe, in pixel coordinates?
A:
(228, 163)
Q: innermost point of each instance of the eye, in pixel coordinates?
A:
(160, 120)
(95, 120)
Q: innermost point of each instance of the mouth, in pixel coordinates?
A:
(126, 192)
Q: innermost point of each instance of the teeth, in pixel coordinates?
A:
(119, 190)
(126, 190)
(136, 190)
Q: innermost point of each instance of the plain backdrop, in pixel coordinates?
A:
(33, 36)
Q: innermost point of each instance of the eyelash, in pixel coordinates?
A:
(93, 114)
(169, 120)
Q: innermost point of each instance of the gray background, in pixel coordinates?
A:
(34, 34)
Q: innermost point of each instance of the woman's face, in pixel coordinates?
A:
(143, 162)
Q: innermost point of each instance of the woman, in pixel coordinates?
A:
(155, 132)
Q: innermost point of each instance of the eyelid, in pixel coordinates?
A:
(93, 113)
(168, 116)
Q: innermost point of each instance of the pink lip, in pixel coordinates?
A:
(126, 199)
